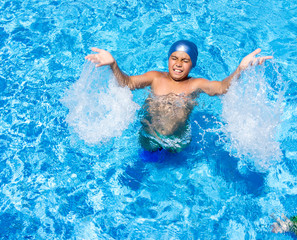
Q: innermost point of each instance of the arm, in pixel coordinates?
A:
(103, 58)
(221, 87)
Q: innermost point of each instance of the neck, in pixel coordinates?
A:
(178, 80)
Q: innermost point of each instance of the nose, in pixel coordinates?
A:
(178, 63)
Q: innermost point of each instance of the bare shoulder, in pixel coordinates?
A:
(199, 83)
(144, 80)
(155, 74)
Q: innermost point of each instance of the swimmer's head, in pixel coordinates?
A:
(185, 46)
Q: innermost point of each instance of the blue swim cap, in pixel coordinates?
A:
(185, 46)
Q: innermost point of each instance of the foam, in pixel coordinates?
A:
(252, 111)
(99, 109)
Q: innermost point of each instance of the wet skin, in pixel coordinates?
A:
(167, 114)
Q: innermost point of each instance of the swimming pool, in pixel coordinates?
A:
(60, 182)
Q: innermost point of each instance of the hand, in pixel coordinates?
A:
(281, 226)
(101, 58)
(252, 60)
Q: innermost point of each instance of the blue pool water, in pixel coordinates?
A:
(70, 160)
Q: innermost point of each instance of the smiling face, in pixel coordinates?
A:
(179, 65)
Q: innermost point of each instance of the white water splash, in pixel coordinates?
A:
(99, 109)
(251, 112)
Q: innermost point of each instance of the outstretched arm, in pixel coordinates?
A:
(221, 87)
(103, 58)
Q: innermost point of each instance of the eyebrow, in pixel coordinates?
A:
(184, 58)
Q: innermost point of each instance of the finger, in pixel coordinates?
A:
(93, 61)
(94, 49)
(91, 56)
(90, 60)
(285, 217)
(255, 61)
(254, 53)
(263, 59)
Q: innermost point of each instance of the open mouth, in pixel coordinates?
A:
(177, 70)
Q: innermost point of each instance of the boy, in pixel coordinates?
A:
(165, 123)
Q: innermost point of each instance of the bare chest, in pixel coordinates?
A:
(164, 86)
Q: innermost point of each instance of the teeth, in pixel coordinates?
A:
(176, 70)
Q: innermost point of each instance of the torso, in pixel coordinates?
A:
(163, 85)
(167, 114)
(167, 109)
